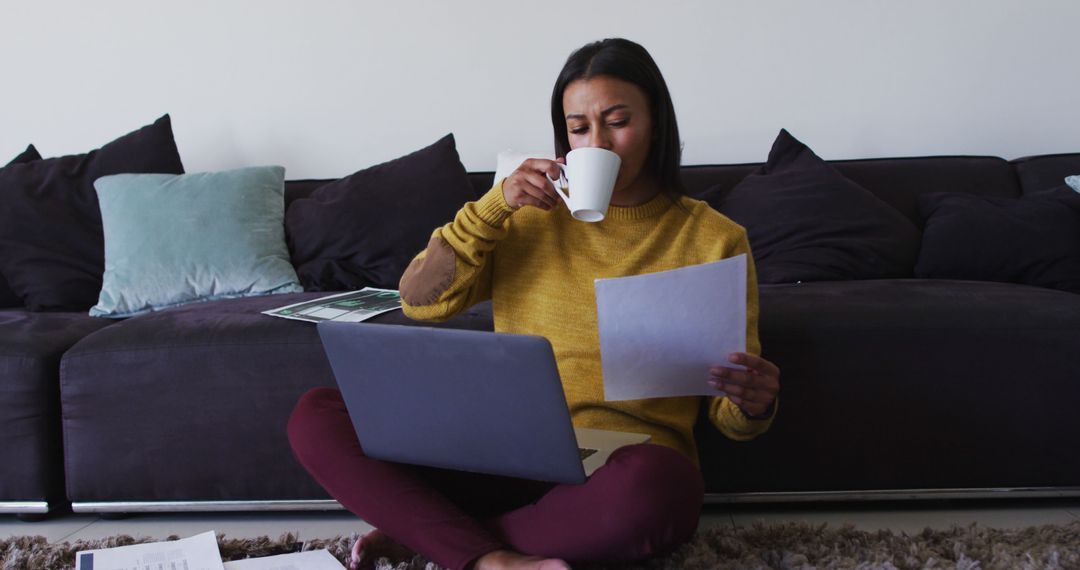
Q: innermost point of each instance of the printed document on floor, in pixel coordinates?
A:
(661, 332)
(199, 552)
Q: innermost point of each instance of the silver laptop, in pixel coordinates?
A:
(467, 400)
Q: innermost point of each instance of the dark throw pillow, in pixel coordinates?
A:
(8, 298)
(364, 229)
(807, 222)
(29, 155)
(51, 245)
(1034, 239)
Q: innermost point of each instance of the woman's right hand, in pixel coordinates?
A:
(529, 186)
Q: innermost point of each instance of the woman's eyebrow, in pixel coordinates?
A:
(604, 113)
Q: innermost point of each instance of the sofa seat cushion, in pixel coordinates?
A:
(896, 384)
(214, 385)
(31, 345)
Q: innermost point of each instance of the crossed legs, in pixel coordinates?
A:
(644, 501)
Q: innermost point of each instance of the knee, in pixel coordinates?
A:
(663, 492)
(305, 427)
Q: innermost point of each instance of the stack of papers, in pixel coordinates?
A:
(199, 552)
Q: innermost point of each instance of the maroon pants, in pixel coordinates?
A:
(645, 500)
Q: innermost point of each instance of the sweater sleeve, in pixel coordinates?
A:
(725, 414)
(454, 271)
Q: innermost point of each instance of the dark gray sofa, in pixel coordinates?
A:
(891, 388)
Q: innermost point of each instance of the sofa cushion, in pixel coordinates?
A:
(807, 222)
(51, 249)
(172, 239)
(1043, 172)
(364, 229)
(31, 345)
(215, 383)
(1034, 239)
(912, 384)
(29, 155)
(297, 189)
(8, 298)
(896, 181)
(900, 181)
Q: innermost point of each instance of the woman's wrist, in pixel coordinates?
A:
(492, 207)
(768, 413)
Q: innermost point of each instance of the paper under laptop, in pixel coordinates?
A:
(598, 444)
(661, 332)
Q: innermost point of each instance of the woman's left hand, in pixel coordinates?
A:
(753, 389)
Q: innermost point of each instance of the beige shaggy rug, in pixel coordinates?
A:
(788, 546)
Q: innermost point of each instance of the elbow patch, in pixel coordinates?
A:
(428, 277)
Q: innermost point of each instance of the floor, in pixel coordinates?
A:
(909, 517)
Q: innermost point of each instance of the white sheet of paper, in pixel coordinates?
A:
(309, 560)
(661, 332)
(199, 552)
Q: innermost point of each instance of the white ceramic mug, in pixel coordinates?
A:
(589, 174)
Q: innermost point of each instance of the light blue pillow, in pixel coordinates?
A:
(174, 239)
(1073, 181)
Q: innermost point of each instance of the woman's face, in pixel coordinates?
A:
(613, 114)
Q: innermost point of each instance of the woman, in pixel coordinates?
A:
(519, 247)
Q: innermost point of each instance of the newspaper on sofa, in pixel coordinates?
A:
(353, 307)
(199, 552)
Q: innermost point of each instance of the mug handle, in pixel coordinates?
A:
(557, 184)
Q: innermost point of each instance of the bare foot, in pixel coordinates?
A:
(375, 545)
(508, 559)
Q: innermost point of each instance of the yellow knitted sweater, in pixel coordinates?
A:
(538, 269)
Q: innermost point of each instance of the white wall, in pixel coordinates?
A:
(326, 87)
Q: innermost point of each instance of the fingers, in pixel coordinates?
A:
(518, 192)
(731, 375)
(731, 378)
(528, 186)
(539, 187)
(530, 196)
(751, 400)
(755, 363)
(756, 386)
(741, 392)
(544, 166)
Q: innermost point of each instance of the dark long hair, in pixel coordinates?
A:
(628, 61)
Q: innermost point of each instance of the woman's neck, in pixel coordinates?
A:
(639, 192)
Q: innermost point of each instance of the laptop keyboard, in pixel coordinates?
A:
(585, 452)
